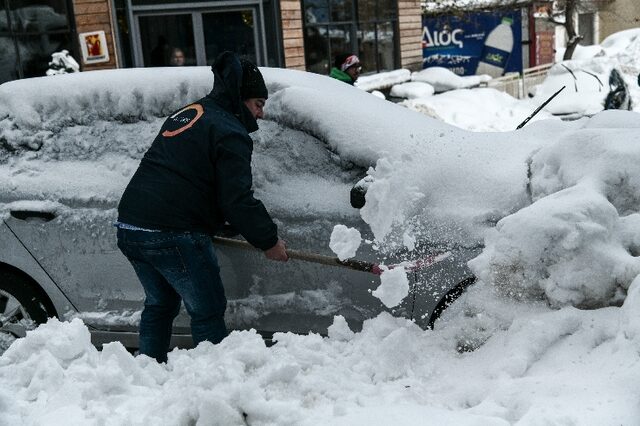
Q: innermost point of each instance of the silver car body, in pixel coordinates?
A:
(67, 248)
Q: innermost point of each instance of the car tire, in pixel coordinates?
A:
(451, 296)
(20, 299)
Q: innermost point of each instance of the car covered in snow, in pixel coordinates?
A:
(70, 143)
(586, 88)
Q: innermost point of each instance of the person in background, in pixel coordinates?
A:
(177, 57)
(346, 68)
(195, 177)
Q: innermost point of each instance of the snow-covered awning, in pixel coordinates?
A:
(447, 6)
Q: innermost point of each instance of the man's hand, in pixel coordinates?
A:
(277, 252)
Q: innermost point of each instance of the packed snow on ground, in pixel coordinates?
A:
(549, 335)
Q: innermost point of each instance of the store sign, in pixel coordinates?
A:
(94, 47)
(475, 43)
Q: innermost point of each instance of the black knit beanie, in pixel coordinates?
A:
(252, 82)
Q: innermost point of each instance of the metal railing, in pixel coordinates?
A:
(508, 83)
(518, 85)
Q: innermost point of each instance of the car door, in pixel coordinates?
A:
(299, 296)
(77, 248)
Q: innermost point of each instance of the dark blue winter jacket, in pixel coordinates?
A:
(197, 173)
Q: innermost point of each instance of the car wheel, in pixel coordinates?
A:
(449, 298)
(21, 308)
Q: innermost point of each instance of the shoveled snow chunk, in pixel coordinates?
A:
(393, 288)
(344, 241)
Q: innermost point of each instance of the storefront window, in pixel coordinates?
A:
(167, 40)
(317, 49)
(30, 31)
(364, 27)
(316, 11)
(238, 36)
(341, 10)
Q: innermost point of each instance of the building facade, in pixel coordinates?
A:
(618, 15)
(298, 34)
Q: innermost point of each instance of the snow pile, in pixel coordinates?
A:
(382, 80)
(345, 241)
(443, 79)
(577, 243)
(412, 89)
(478, 110)
(624, 48)
(543, 367)
(394, 286)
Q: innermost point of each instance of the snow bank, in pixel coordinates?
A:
(543, 367)
(477, 110)
(412, 89)
(443, 79)
(382, 80)
(624, 46)
(577, 243)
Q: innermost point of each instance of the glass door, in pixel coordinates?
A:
(233, 30)
(196, 36)
(167, 40)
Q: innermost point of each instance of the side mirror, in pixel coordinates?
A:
(358, 192)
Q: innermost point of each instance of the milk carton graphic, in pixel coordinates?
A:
(496, 51)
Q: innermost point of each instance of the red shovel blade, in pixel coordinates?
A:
(414, 265)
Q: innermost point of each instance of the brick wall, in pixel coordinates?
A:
(292, 36)
(95, 15)
(410, 28)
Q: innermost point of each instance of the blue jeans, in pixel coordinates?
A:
(175, 267)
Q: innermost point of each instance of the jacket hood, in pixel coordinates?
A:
(227, 72)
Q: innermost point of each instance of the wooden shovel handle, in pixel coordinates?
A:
(357, 265)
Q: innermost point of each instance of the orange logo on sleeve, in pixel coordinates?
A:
(184, 118)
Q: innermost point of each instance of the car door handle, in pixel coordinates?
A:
(33, 216)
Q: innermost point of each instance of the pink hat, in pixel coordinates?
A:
(349, 62)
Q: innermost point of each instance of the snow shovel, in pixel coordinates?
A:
(357, 265)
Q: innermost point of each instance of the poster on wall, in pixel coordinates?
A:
(474, 43)
(94, 47)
